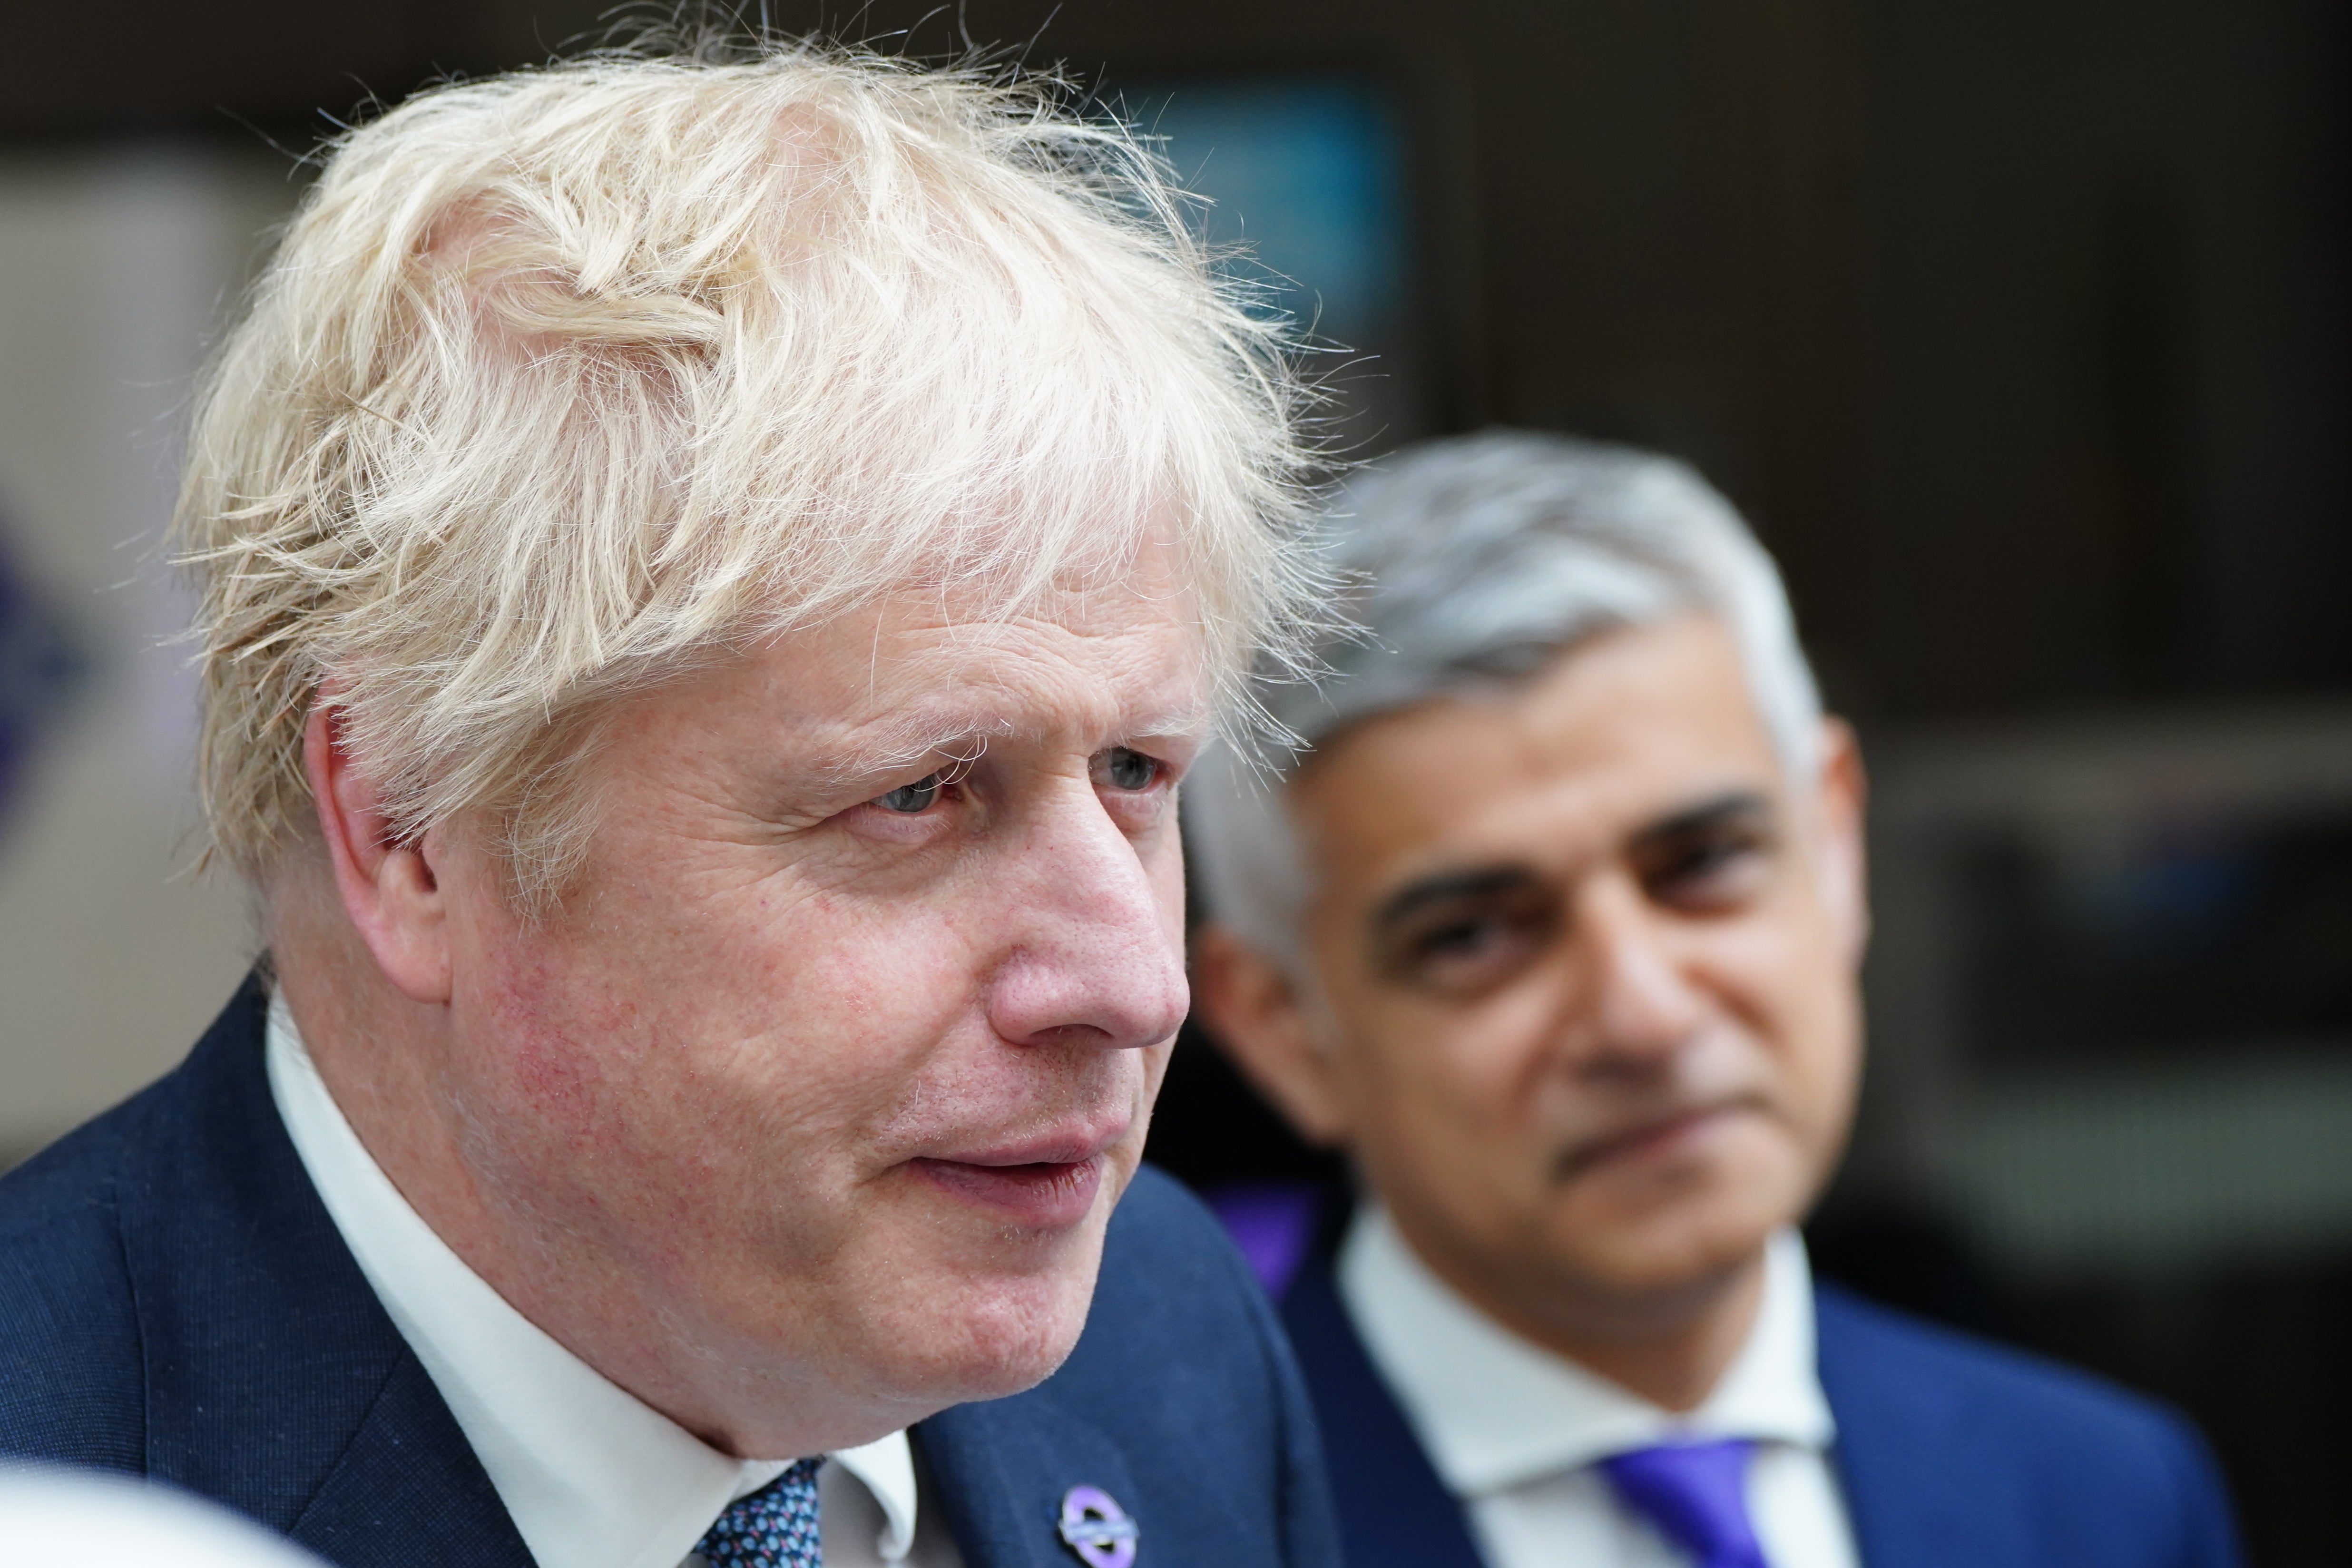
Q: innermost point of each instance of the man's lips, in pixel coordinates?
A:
(1661, 1137)
(1047, 1183)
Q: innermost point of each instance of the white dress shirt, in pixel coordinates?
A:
(1514, 1430)
(593, 1476)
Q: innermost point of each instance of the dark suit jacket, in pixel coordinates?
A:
(174, 1302)
(1951, 1453)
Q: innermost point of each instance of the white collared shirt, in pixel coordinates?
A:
(593, 1476)
(1514, 1430)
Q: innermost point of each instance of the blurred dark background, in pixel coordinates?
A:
(2023, 332)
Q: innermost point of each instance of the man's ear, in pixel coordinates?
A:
(1844, 793)
(388, 886)
(1254, 1013)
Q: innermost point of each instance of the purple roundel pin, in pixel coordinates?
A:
(1096, 1528)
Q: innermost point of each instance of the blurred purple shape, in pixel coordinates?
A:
(1274, 1225)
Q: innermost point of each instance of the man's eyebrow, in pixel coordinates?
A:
(1732, 805)
(906, 738)
(1447, 887)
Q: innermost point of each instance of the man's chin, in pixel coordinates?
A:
(1644, 1235)
(1680, 1247)
(980, 1336)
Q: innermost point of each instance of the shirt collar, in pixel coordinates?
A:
(593, 1476)
(1495, 1411)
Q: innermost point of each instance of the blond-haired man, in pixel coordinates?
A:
(710, 572)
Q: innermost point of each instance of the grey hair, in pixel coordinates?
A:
(1477, 559)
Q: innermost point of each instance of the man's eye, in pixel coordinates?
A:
(1711, 872)
(1463, 939)
(912, 798)
(1123, 769)
(1468, 953)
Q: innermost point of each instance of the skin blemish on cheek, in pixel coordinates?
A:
(558, 1037)
(548, 1072)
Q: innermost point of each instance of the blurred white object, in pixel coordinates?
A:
(72, 1519)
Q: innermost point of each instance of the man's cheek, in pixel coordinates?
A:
(859, 1018)
(1155, 1074)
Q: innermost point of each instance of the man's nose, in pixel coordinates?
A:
(1639, 1006)
(1093, 956)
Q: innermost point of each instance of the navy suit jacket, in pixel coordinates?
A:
(1950, 1452)
(175, 1303)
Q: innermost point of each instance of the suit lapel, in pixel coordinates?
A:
(1003, 1468)
(408, 1489)
(1908, 1505)
(275, 1381)
(1392, 1507)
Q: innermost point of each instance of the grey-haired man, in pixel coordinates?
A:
(1553, 924)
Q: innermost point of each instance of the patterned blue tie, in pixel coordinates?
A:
(1696, 1495)
(775, 1527)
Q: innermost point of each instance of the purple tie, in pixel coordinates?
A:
(1696, 1494)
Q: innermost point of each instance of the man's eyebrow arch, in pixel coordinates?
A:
(1709, 813)
(903, 739)
(1443, 886)
(908, 740)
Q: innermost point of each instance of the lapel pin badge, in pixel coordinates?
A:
(1096, 1528)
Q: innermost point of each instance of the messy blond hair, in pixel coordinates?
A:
(564, 380)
